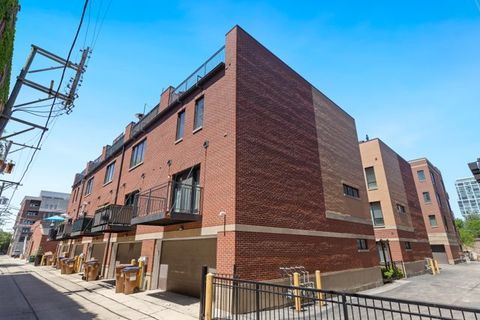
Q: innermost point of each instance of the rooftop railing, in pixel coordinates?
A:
(208, 66)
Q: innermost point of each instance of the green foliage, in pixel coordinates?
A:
(5, 238)
(8, 9)
(469, 229)
(391, 273)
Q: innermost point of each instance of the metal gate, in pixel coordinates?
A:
(229, 298)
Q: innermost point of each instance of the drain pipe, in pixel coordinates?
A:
(107, 249)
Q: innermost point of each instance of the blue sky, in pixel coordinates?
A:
(408, 71)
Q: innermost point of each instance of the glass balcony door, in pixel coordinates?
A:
(185, 196)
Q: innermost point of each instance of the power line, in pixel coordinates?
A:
(53, 103)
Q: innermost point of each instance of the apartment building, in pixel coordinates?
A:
(33, 209)
(437, 214)
(475, 168)
(244, 167)
(394, 205)
(468, 192)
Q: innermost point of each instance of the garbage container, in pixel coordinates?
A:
(31, 259)
(69, 265)
(131, 277)
(119, 277)
(92, 268)
(61, 264)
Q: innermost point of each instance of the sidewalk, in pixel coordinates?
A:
(29, 292)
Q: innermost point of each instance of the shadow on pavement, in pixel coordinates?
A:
(26, 297)
(174, 298)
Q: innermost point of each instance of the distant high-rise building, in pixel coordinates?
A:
(468, 190)
(32, 209)
(475, 168)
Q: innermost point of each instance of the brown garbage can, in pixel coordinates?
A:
(92, 269)
(119, 277)
(131, 279)
(69, 265)
(61, 265)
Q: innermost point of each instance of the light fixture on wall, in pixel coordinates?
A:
(224, 215)
(181, 228)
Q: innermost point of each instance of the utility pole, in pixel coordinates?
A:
(22, 80)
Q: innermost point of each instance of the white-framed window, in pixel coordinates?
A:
(377, 214)
(109, 173)
(198, 119)
(426, 197)
(371, 179)
(180, 125)
(137, 154)
(421, 175)
(433, 220)
(89, 186)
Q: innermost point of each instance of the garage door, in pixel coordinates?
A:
(78, 250)
(183, 260)
(439, 253)
(128, 251)
(98, 251)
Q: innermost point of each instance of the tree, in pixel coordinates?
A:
(469, 229)
(5, 238)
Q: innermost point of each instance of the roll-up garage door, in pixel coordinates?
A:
(439, 254)
(183, 260)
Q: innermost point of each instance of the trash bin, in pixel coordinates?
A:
(38, 260)
(61, 264)
(131, 279)
(69, 265)
(119, 277)
(31, 259)
(91, 268)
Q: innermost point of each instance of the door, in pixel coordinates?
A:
(439, 254)
(186, 191)
(182, 261)
(128, 251)
(98, 252)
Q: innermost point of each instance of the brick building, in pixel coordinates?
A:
(394, 206)
(437, 214)
(245, 166)
(33, 209)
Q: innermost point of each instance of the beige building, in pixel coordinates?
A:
(436, 210)
(396, 214)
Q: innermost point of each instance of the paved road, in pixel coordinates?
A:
(28, 292)
(455, 285)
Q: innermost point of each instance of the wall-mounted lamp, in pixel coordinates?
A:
(224, 215)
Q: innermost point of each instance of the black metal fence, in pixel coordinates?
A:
(235, 299)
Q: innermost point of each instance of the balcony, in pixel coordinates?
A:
(63, 231)
(82, 227)
(113, 218)
(171, 203)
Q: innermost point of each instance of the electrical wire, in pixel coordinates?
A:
(42, 134)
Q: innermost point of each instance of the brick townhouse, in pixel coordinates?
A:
(394, 205)
(245, 166)
(437, 214)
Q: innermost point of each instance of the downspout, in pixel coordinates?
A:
(107, 249)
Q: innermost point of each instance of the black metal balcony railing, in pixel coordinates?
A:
(170, 203)
(113, 218)
(64, 230)
(82, 227)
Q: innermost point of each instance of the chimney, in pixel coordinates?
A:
(165, 98)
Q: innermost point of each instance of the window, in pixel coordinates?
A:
(89, 187)
(109, 173)
(433, 220)
(180, 125)
(426, 197)
(438, 199)
(371, 179)
(137, 154)
(34, 204)
(421, 175)
(408, 245)
(445, 223)
(377, 214)
(350, 191)
(400, 208)
(32, 213)
(25, 230)
(198, 120)
(130, 198)
(433, 178)
(362, 244)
